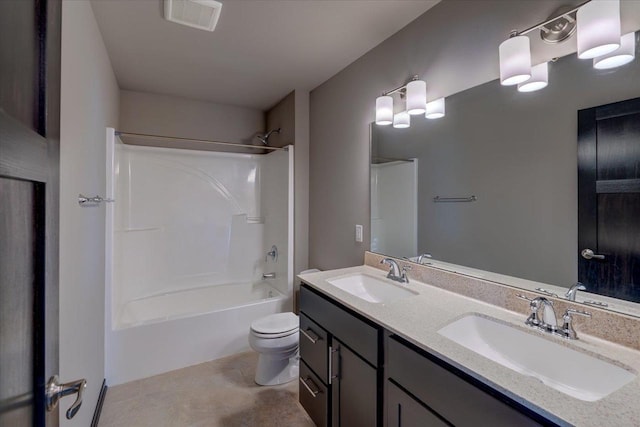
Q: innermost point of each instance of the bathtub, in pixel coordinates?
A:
(194, 302)
(178, 273)
(169, 331)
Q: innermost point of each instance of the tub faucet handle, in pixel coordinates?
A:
(273, 254)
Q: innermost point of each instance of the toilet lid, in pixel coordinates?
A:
(276, 323)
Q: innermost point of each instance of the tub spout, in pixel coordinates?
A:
(268, 276)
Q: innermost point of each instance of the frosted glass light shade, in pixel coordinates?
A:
(515, 60)
(416, 97)
(384, 110)
(402, 120)
(598, 28)
(623, 55)
(539, 78)
(435, 109)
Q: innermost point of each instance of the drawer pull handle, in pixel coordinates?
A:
(311, 336)
(313, 392)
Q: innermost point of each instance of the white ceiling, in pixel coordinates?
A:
(260, 51)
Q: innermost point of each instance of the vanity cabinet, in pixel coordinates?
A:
(340, 363)
(420, 385)
(354, 373)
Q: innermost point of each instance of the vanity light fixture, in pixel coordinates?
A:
(621, 56)
(597, 23)
(598, 28)
(539, 78)
(435, 109)
(414, 93)
(402, 120)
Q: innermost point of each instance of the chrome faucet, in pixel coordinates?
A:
(543, 317)
(268, 276)
(394, 271)
(423, 256)
(573, 290)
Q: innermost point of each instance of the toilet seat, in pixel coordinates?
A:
(275, 325)
(274, 336)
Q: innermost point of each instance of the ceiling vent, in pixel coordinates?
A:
(201, 14)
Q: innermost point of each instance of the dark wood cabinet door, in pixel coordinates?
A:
(405, 411)
(29, 141)
(354, 390)
(609, 199)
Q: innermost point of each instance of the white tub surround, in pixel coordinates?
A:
(186, 240)
(418, 319)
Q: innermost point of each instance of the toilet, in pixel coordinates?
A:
(275, 339)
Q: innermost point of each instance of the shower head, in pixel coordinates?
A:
(265, 138)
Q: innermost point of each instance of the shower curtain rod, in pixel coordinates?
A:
(176, 138)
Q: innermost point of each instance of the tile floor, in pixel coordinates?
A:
(219, 393)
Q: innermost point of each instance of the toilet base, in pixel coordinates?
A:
(276, 369)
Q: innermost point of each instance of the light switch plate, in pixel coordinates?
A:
(358, 233)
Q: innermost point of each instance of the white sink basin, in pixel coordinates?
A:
(569, 371)
(370, 288)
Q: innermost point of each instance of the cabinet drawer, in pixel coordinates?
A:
(456, 400)
(313, 396)
(314, 347)
(404, 411)
(360, 336)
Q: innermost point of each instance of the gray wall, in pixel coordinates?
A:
(291, 114)
(283, 116)
(301, 181)
(89, 104)
(518, 154)
(453, 46)
(174, 116)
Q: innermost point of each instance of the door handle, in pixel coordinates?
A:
(588, 254)
(55, 391)
(332, 365)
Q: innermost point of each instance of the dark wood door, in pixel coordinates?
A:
(29, 140)
(354, 390)
(609, 199)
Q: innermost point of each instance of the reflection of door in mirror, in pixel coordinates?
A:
(609, 199)
(394, 210)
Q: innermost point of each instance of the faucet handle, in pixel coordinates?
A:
(567, 327)
(404, 278)
(546, 292)
(571, 311)
(534, 304)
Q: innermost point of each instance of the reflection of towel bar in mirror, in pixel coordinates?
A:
(439, 199)
(82, 200)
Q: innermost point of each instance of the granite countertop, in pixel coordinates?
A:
(418, 319)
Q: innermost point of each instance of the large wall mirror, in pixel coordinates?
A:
(510, 161)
